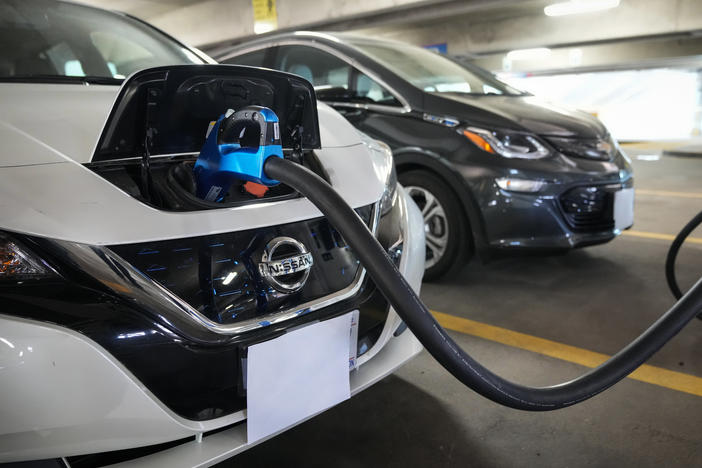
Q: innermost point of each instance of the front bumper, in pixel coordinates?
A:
(573, 208)
(62, 394)
(540, 221)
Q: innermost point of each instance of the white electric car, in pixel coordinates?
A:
(139, 323)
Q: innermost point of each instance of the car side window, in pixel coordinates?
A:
(332, 77)
(252, 59)
(318, 67)
(366, 89)
(121, 54)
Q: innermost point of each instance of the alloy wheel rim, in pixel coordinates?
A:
(436, 227)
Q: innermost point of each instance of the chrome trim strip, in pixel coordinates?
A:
(374, 107)
(155, 157)
(445, 120)
(309, 43)
(126, 281)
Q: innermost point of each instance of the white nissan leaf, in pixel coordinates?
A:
(139, 321)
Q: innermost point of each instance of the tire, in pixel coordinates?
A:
(448, 237)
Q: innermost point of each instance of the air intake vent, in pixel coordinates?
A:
(588, 209)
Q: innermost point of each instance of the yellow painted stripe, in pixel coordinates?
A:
(666, 193)
(650, 374)
(653, 145)
(659, 236)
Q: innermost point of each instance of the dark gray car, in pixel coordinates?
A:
(492, 168)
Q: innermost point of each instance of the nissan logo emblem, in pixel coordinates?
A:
(285, 264)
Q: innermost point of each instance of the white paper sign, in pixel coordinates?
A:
(297, 375)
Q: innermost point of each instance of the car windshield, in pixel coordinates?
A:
(64, 42)
(432, 72)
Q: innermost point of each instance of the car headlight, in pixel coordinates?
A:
(587, 148)
(389, 232)
(17, 263)
(507, 143)
(385, 168)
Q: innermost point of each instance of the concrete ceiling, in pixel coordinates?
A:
(144, 9)
(482, 29)
(637, 34)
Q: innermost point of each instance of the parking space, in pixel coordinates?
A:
(594, 300)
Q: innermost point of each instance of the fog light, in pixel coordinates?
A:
(519, 185)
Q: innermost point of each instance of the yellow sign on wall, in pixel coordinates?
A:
(265, 16)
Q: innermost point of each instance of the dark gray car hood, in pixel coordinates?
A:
(516, 112)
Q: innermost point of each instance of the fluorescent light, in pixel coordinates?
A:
(529, 54)
(262, 27)
(575, 7)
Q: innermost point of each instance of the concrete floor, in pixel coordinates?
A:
(598, 299)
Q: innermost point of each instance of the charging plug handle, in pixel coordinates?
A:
(236, 148)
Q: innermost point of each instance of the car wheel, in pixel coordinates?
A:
(447, 236)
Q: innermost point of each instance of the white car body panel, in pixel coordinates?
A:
(67, 201)
(63, 199)
(67, 119)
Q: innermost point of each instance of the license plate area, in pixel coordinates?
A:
(624, 208)
(297, 375)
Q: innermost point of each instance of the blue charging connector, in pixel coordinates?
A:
(236, 147)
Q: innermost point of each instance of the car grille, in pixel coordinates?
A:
(588, 209)
(218, 274)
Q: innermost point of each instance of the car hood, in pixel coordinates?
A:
(62, 121)
(520, 112)
(49, 123)
(49, 131)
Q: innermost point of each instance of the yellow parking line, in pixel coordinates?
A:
(659, 236)
(650, 374)
(652, 145)
(666, 193)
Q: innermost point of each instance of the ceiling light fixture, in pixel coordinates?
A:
(575, 7)
(262, 27)
(537, 53)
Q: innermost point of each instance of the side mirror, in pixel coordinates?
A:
(334, 94)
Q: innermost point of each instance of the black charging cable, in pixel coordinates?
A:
(438, 342)
(673, 255)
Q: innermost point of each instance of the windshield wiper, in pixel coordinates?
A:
(103, 80)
